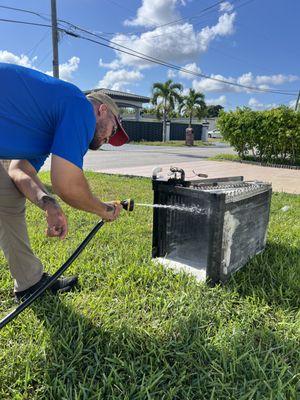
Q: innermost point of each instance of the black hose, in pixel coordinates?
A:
(53, 278)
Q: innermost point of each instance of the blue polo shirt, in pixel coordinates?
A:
(40, 115)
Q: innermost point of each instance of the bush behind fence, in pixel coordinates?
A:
(268, 136)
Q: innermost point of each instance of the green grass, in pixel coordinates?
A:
(225, 157)
(137, 331)
(175, 143)
(235, 157)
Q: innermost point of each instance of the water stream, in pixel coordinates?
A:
(183, 208)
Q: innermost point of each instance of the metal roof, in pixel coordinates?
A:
(117, 95)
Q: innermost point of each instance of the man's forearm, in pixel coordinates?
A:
(69, 183)
(30, 186)
(80, 196)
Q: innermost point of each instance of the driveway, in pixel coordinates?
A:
(139, 160)
(131, 155)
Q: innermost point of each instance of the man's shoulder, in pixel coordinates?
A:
(75, 101)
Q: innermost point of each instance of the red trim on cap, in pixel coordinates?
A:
(120, 137)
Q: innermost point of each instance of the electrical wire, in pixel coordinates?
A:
(205, 11)
(27, 11)
(34, 48)
(162, 62)
(174, 22)
(154, 60)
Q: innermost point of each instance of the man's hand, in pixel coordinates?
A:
(111, 211)
(25, 178)
(57, 221)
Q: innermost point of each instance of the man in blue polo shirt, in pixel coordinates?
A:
(41, 115)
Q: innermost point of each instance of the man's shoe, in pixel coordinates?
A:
(61, 285)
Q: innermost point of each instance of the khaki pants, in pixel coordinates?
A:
(25, 268)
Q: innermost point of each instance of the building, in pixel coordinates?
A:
(125, 100)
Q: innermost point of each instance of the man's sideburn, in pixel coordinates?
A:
(98, 139)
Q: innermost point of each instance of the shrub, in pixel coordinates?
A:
(269, 136)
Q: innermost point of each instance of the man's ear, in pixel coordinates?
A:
(102, 108)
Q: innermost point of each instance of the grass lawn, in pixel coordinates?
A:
(136, 331)
(225, 157)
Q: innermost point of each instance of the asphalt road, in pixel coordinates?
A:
(131, 155)
(139, 160)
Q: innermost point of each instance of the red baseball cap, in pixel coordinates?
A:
(120, 137)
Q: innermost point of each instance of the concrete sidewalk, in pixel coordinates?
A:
(282, 179)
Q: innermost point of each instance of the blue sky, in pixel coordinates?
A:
(250, 42)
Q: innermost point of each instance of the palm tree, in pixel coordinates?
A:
(193, 104)
(164, 97)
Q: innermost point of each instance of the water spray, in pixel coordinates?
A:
(175, 207)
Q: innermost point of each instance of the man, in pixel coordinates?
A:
(42, 115)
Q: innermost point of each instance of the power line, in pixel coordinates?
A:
(154, 60)
(174, 22)
(233, 57)
(204, 11)
(34, 48)
(26, 11)
(44, 58)
(124, 8)
(162, 62)
(172, 66)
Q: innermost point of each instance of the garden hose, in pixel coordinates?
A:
(128, 205)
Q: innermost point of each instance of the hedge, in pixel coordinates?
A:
(268, 136)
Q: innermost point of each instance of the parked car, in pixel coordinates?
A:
(214, 133)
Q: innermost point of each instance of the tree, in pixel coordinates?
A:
(164, 97)
(193, 104)
(213, 111)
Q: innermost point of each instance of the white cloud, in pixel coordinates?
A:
(190, 67)
(278, 79)
(247, 79)
(224, 27)
(256, 105)
(292, 104)
(264, 80)
(177, 43)
(185, 91)
(171, 74)
(208, 85)
(112, 65)
(118, 80)
(66, 70)
(10, 58)
(226, 6)
(155, 12)
(220, 100)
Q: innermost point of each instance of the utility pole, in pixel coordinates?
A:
(297, 102)
(54, 39)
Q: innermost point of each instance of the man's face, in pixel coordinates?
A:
(106, 126)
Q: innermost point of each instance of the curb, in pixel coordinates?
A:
(265, 164)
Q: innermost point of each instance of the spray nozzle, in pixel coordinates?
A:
(127, 204)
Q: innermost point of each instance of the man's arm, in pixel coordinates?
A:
(70, 184)
(25, 178)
